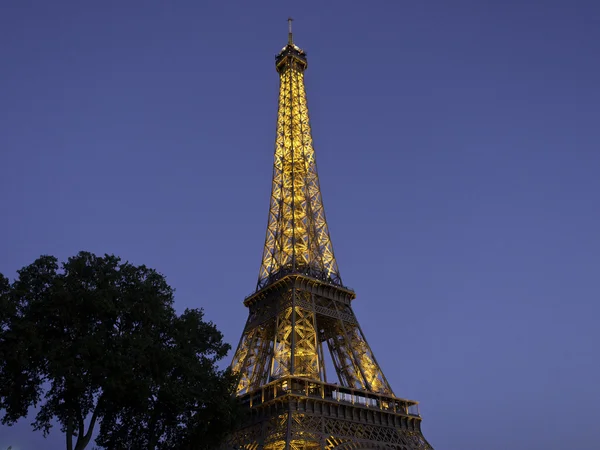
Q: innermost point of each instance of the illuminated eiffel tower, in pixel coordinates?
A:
(301, 309)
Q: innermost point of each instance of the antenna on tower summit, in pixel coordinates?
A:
(290, 40)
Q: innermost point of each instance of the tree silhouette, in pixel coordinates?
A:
(98, 342)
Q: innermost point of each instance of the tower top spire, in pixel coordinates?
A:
(291, 54)
(290, 40)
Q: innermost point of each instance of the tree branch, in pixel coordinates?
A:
(70, 433)
(81, 424)
(83, 441)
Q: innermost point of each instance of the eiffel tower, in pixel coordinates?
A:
(301, 309)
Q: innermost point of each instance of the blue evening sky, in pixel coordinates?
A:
(459, 156)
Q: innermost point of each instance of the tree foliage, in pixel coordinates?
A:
(98, 341)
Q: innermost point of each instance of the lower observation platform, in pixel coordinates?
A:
(301, 414)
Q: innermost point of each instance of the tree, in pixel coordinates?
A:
(98, 342)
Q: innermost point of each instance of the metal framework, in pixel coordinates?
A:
(297, 234)
(301, 309)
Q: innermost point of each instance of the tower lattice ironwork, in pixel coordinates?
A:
(301, 309)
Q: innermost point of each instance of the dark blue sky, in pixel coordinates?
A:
(459, 156)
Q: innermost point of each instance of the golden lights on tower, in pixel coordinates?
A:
(297, 233)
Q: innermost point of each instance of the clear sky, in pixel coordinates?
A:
(458, 148)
